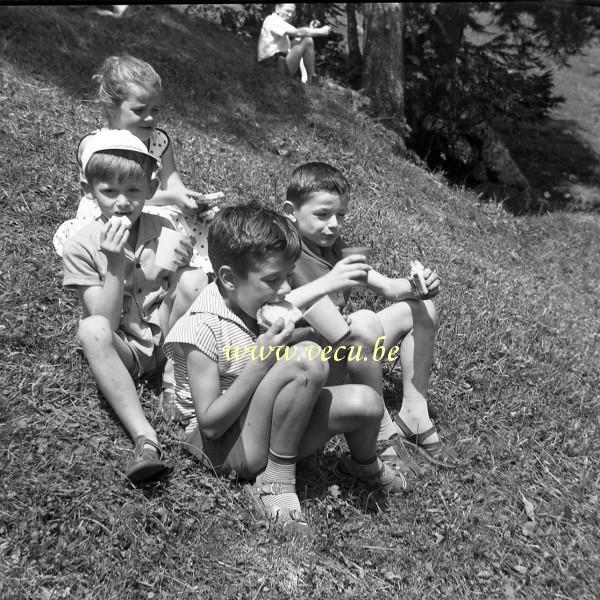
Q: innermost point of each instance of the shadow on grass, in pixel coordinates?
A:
(559, 162)
(225, 93)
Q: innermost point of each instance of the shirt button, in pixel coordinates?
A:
(138, 266)
(140, 290)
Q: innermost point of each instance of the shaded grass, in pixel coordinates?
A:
(514, 384)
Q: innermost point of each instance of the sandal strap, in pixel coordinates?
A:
(415, 438)
(274, 488)
(142, 440)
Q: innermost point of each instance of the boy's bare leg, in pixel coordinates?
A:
(354, 410)
(304, 49)
(414, 324)
(184, 287)
(110, 359)
(366, 331)
(282, 406)
(275, 422)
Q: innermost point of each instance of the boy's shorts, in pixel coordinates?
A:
(224, 455)
(144, 364)
(277, 61)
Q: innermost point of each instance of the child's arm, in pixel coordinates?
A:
(346, 273)
(217, 412)
(172, 190)
(107, 299)
(401, 288)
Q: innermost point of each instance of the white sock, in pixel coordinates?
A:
(387, 428)
(281, 469)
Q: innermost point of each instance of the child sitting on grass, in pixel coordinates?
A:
(257, 416)
(128, 302)
(317, 200)
(130, 93)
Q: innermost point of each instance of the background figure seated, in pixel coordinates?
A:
(286, 47)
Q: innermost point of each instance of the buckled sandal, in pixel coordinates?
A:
(387, 480)
(436, 453)
(291, 522)
(147, 462)
(398, 457)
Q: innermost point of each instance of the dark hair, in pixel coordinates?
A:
(119, 164)
(316, 177)
(242, 235)
(118, 73)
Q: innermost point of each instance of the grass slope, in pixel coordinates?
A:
(514, 384)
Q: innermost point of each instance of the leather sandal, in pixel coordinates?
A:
(386, 479)
(291, 522)
(436, 453)
(399, 459)
(146, 463)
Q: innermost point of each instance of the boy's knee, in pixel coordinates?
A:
(309, 361)
(365, 328)
(308, 42)
(94, 330)
(368, 403)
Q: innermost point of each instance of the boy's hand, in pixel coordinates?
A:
(279, 334)
(348, 272)
(433, 283)
(113, 237)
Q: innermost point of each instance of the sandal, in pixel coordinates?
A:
(387, 480)
(435, 452)
(291, 522)
(147, 462)
(399, 458)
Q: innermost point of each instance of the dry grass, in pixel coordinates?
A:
(514, 384)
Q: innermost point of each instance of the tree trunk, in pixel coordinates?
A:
(450, 20)
(354, 65)
(383, 74)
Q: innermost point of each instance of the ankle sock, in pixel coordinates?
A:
(415, 414)
(387, 428)
(280, 469)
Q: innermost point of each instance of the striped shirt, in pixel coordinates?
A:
(215, 330)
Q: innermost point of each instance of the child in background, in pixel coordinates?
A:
(317, 200)
(250, 413)
(130, 93)
(128, 302)
(286, 47)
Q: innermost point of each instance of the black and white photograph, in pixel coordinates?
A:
(300, 301)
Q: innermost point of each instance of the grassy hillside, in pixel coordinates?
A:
(514, 385)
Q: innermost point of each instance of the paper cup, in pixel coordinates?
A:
(364, 250)
(166, 257)
(326, 319)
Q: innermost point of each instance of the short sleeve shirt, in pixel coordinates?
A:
(146, 285)
(314, 262)
(212, 327)
(274, 37)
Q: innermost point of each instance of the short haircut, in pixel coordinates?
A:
(316, 177)
(120, 165)
(243, 235)
(118, 73)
